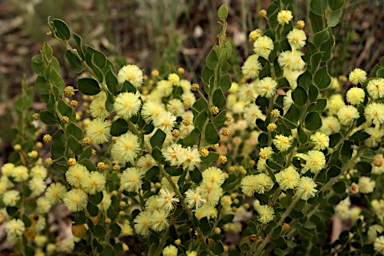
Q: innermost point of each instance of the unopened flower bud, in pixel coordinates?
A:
(204, 152)
(285, 226)
(186, 121)
(272, 127)
(64, 119)
(49, 161)
(87, 140)
(300, 24)
(195, 87)
(225, 132)
(354, 188)
(223, 159)
(263, 13)
(47, 138)
(71, 161)
(69, 91)
(175, 133)
(228, 118)
(100, 165)
(275, 113)
(73, 103)
(33, 154)
(181, 70)
(214, 110)
(254, 34)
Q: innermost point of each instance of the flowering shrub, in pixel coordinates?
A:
(184, 168)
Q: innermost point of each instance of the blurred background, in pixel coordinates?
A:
(160, 34)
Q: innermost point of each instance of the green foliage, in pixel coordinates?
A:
(185, 167)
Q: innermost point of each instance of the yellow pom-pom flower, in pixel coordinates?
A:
(98, 131)
(127, 104)
(132, 74)
(284, 17)
(76, 200)
(126, 148)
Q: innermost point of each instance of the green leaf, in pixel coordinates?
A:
(111, 82)
(316, 21)
(212, 60)
(223, 12)
(347, 149)
(62, 30)
(37, 65)
(313, 93)
(304, 80)
(200, 120)
(47, 49)
(119, 127)
(158, 138)
(309, 225)
(115, 230)
(196, 175)
(333, 18)
(204, 225)
(173, 171)
(299, 96)
(109, 103)
(318, 7)
(79, 45)
(333, 171)
(336, 4)
(322, 79)
(277, 232)
(291, 117)
(90, 166)
(156, 153)
(303, 136)
(212, 156)
(262, 102)
(364, 167)
(88, 86)
(218, 98)
(99, 231)
(128, 87)
(192, 138)
(76, 131)
(48, 118)
(73, 62)
(313, 121)
(27, 221)
(318, 106)
(339, 187)
(42, 85)
(92, 209)
(225, 82)
(220, 118)
(79, 217)
(66, 110)
(56, 79)
(320, 37)
(96, 198)
(74, 145)
(200, 105)
(315, 61)
(211, 134)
